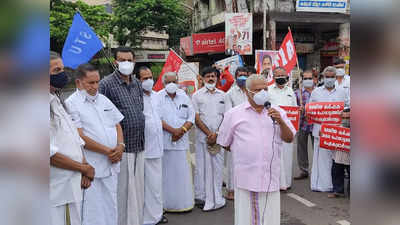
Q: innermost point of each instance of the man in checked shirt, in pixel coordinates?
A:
(125, 91)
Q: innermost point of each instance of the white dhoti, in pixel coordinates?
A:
(58, 214)
(321, 178)
(153, 202)
(208, 177)
(100, 202)
(286, 165)
(177, 181)
(229, 171)
(131, 189)
(252, 208)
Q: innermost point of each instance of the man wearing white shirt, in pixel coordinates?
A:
(283, 95)
(234, 97)
(68, 168)
(153, 151)
(342, 80)
(97, 120)
(321, 178)
(208, 102)
(177, 116)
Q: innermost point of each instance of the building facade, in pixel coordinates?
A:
(321, 32)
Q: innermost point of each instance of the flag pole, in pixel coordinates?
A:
(301, 80)
(185, 62)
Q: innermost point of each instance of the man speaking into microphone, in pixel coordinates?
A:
(255, 135)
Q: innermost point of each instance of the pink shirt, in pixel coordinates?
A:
(249, 135)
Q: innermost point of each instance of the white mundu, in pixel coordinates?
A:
(209, 168)
(284, 97)
(65, 185)
(321, 177)
(177, 190)
(153, 151)
(98, 119)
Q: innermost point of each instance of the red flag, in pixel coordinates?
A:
(287, 56)
(172, 64)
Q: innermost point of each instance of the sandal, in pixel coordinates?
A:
(163, 220)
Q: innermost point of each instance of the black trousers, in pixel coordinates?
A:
(338, 174)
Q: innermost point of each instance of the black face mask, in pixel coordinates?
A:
(59, 80)
(281, 80)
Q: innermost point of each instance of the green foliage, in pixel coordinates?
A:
(156, 69)
(62, 13)
(132, 17)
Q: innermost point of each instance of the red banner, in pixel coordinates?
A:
(324, 112)
(293, 114)
(172, 64)
(208, 42)
(287, 57)
(186, 45)
(335, 138)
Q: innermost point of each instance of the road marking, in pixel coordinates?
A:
(302, 200)
(343, 222)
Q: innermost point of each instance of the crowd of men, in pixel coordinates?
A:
(119, 151)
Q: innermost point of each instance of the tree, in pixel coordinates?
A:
(62, 13)
(133, 17)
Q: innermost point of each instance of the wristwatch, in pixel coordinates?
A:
(122, 143)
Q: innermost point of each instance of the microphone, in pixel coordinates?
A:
(267, 105)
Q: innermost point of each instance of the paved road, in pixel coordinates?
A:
(317, 209)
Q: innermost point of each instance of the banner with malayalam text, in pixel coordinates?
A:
(293, 114)
(335, 138)
(324, 112)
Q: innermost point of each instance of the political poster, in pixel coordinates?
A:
(293, 114)
(324, 112)
(335, 138)
(187, 77)
(239, 33)
(266, 62)
(233, 62)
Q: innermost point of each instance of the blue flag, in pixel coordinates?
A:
(81, 44)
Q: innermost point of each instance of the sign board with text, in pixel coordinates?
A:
(293, 114)
(335, 138)
(332, 6)
(324, 112)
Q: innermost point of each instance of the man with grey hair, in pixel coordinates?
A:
(255, 135)
(177, 116)
(282, 95)
(321, 179)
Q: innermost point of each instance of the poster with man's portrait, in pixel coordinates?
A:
(266, 62)
(238, 33)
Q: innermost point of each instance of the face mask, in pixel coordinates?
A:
(241, 81)
(83, 92)
(210, 86)
(59, 80)
(171, 88)
(281, 80)
(329, 82)
(126, 67)
(148, 84)
(261, 97)
(340, 72)
(308, 83)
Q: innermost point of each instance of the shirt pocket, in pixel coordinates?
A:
(109, 117)
(183, 112)
(221, 107)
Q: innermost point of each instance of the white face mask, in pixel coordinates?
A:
(126, 67)
(171, 88)
(210, 86)
(329, 82)
(308, 83)
(84, 93)
(340, 72)
(148, 84)
(261, 97)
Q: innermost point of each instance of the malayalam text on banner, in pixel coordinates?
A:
(335, 138)
(324, 112)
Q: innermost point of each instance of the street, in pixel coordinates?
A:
(299, 206)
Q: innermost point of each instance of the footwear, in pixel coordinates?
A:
(332, 195)
(199, 203)
(163, 220)
(214, 209)
(301, 176)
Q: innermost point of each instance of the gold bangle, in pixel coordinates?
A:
(184, 128)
